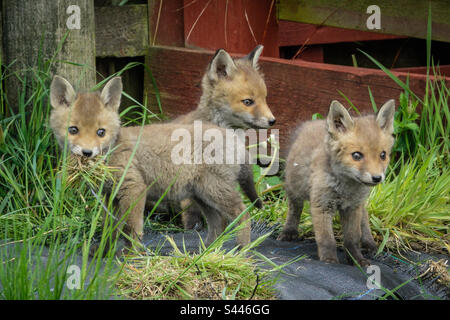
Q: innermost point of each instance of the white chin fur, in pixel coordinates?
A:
(367, 178)
(262, 123)
(95, 151)
(77, 150)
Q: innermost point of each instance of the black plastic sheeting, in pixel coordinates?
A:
(311, 279)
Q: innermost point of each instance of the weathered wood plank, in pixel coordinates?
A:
(312, 53)
(296, 33)
(121, 31)
(443, 70)
(401, 17)
(296, 89)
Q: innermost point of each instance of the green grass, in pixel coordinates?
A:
(212, 274)
(42, 211)
(413, 207)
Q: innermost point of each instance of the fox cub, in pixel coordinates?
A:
(92, 125)
(333, 163)
(233, 96)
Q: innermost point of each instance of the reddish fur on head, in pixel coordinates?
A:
(93, 115)
(361, 146)
(236, 89)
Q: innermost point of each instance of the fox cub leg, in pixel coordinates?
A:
(131, 198)
(247, 184)
(351, 225)
(290, 228)
(323, 232)
(218, 207)
(192, 218)
(367, 241)
(214, 219)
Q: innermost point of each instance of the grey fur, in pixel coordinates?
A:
(211, 186)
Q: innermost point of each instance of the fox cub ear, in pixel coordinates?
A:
(112, 92)
(338, 120)
(221, 66)
(385, 116)
(253, 56)
(61, 93)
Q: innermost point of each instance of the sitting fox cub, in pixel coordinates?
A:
(333, 163)
(92, 125)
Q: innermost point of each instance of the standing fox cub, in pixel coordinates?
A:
(233, 96)
(92, 125)
(333, 163)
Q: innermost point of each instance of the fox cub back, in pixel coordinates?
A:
(333, 163)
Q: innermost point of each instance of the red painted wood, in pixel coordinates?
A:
(169, 27)
(296, 89)
(296, 33)
(223, 24)
(444, 70)
(311, 53)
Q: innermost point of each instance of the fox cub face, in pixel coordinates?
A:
(90, 120)
(239, 89)
(360, 147)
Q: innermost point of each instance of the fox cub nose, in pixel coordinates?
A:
(376, 179)
(272, 121)
(87, 153)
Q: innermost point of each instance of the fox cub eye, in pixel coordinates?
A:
(357, 156)
(383, 155)
(73, 130)
(101, 132)
(248, 102)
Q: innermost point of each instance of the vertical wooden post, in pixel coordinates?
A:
(79, 46)
(1, 36)
(33, 31)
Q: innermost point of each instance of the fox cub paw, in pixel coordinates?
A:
(369, 246)
(363, 262)
(288, 235)
(259, 204)
(330, 260)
